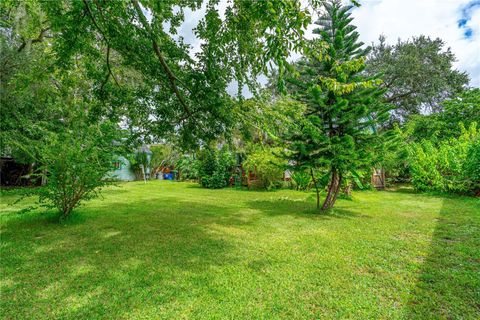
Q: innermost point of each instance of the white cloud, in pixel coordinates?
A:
(435, 18)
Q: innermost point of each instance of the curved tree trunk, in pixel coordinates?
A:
(333, 190)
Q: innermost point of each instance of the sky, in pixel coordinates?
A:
(457, 22)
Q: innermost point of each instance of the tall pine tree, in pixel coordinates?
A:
(337, 134)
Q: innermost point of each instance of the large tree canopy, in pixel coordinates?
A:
(418, 74)
(140, 66)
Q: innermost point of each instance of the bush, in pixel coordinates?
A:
(139, 164)
(188, 167)
(215, 167)
(163, 155)
(450, 165)
(301, 180)
(471, 167)
(75, 163)
(267, 167)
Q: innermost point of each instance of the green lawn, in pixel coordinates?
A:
(173, 250)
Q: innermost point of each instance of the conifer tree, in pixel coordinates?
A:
(337, 134)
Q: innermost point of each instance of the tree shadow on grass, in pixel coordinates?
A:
(111, 264)
(301, 209)
(118, 257)
(401, 188)
(449, 283)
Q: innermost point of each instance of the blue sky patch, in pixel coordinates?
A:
(466, 15)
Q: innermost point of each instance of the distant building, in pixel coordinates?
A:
(124, 171)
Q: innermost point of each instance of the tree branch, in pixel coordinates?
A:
(37, 39)
(110, 73)
(172, 79)
(399, 96)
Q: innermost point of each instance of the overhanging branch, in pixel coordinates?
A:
(37, 39)
(172, 79)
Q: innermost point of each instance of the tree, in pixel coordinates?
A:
(76, 162)
(463, 108)
(417, 74)
(337, 135)
(135, 54)
(440, 127)
(163, 155)
(449, 165)
(52, 117)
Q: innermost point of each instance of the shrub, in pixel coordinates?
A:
(139, 164)
(215, 167)
(449, 165)
(471, 167)
(163, 155)
(301, 180)
(267, 167)
(75, 162)
(188, 167)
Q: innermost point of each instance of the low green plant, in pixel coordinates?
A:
(301, 180)
(163, 155)
(215, 167)
(448, 165)
(471, 167)
(139, 162)
(266, 165)
(188, 167)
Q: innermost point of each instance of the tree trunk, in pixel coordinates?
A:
(348, 190)
(143, 173)
(316, 188)
(333, 190)
(44, 177)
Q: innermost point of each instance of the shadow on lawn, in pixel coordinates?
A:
(139, 255)
(108, 265)
(449, 284)
(301, 209)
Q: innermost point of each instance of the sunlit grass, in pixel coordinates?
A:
(173, 250)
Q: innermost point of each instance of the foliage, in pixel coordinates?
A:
(75, 163)
(266, 165)
(471, 167)
(301, 180)
(140, 164)
(215, 167)
(263, 119)
(447, 165)
(463, 108)
(52, 115)
(338, 132)
(437, 127)
(139, 65)
(418, 73)
(188, 167)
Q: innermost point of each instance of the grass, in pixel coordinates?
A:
(175, 251)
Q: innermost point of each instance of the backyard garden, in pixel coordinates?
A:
(206, 159)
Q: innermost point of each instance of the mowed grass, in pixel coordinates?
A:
(167, 250)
